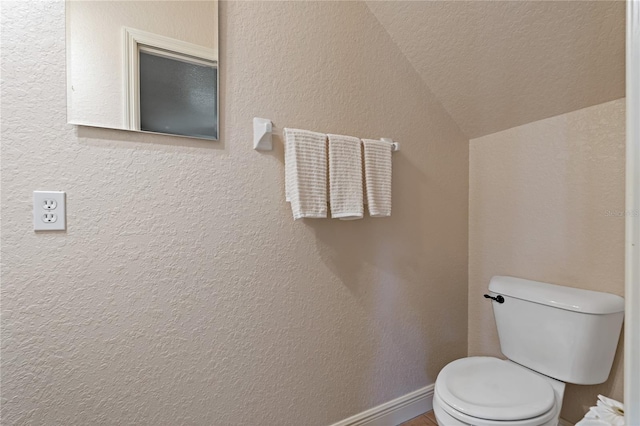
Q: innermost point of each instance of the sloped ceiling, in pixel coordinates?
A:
(499, 64)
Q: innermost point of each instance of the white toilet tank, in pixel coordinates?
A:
(562, 332)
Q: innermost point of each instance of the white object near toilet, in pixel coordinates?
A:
(551, 335)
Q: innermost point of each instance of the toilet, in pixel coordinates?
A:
(550, 335)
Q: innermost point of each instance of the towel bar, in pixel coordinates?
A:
(263, 131)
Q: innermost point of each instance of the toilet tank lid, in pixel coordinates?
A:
(557, 296)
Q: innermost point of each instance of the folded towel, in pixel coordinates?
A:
(345, 177)
(306, 173)
(377, 170)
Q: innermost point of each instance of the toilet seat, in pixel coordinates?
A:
(447, 416)
(493, 389)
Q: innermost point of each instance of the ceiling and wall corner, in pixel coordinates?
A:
(499, 64)
(537, 87)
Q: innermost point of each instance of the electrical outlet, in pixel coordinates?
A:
(49, 218)
(49, 211)
(49, 204)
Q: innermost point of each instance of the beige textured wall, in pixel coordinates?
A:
(183, 292)
(483, 59)
(543, 199)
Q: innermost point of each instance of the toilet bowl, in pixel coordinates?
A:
(487, 391)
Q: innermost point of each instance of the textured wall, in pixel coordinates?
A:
(500, 64)
(183, 292)
(543, 204)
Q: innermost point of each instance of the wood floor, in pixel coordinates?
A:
(426, 419)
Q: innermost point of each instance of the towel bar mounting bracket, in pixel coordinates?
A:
(262, 134)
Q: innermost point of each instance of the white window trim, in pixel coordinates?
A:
(134, 40)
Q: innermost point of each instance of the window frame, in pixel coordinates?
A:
(136, 40)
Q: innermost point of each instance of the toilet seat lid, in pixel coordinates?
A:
(494, 389)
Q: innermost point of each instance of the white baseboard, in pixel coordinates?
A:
(395, 411)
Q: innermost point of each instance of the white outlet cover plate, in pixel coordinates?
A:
(42, 211)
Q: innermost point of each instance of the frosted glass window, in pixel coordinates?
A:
(178, 96)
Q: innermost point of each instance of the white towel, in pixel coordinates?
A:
(377, 170)
(306, 173)
(607, 412)
(345, 177)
